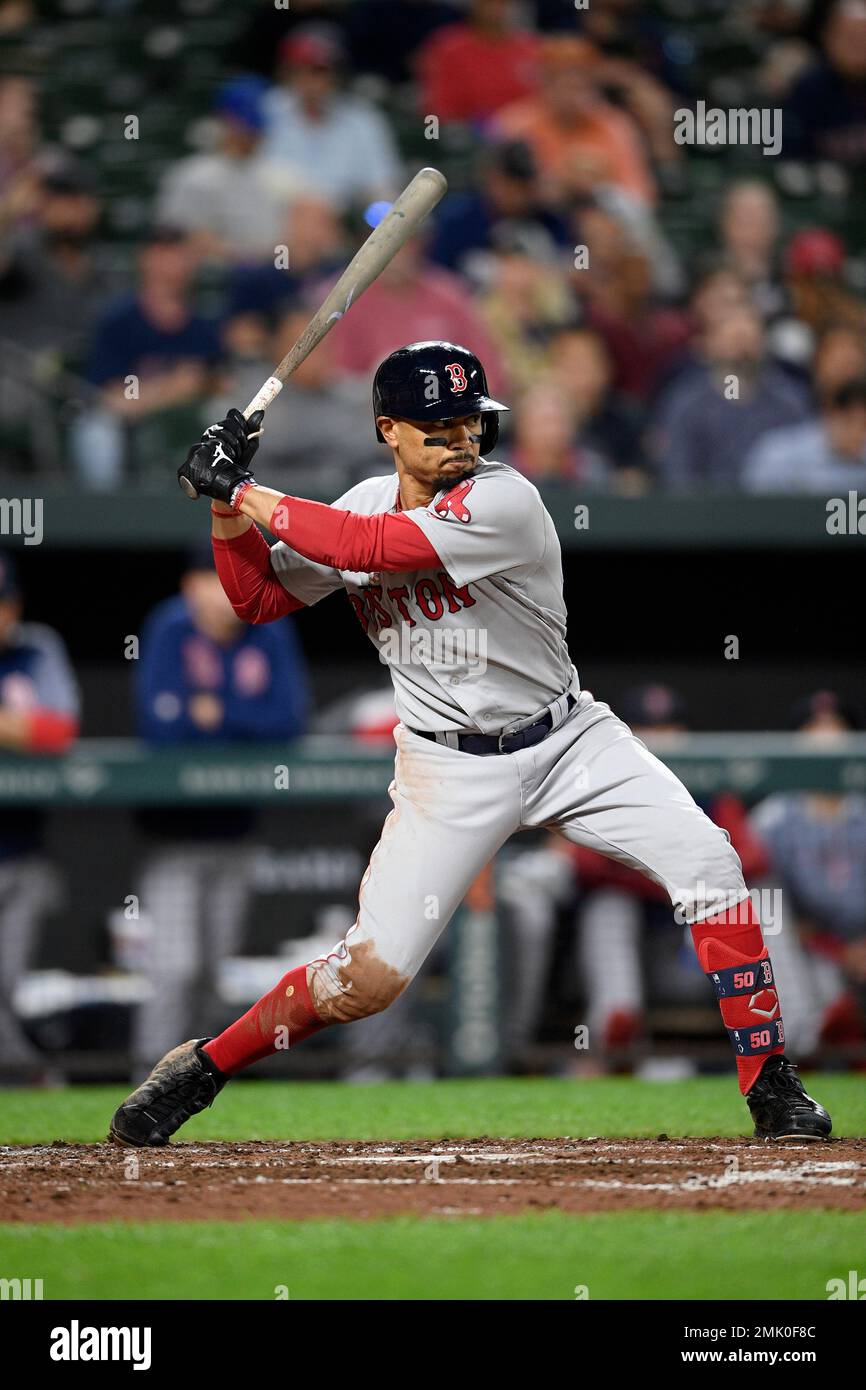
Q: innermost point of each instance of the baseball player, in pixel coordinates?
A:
(453, 567)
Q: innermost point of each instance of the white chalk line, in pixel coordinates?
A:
(495, 1156)
(758, 1172)
(685, 1186)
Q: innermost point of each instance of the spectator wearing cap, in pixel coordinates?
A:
(203, 678)
(361, 25)
(825, 116)
(814, 268)
(569, 125)
(39, 713)
(152, 361)
(710, 417)
(816, 843)
(826, 456)
(233, 201)
(617, 913)
(339, 142)
(468, 71)
(53, 277)
(507, 192)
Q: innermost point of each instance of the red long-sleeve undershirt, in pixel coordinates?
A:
(388, 542)
(251, 587)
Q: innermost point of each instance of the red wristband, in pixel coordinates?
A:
(238, 496)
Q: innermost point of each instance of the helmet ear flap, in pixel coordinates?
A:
(489, 430)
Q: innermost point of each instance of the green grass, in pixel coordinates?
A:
(502, 1108)
(632, 1255)
(625, 1255)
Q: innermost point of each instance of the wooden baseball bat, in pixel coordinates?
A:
(400, 222)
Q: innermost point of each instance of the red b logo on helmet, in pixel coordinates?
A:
(458, 376)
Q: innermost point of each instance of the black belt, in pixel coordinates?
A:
(482, 745)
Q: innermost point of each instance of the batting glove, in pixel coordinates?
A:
(220, 462)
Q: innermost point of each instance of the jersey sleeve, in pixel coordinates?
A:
(304, 579)
(308, 580)
(485, 526)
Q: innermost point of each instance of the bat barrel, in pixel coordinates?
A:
(406, 213)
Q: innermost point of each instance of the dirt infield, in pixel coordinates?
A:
(478, 1177)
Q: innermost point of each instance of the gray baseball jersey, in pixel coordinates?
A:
(477, 643)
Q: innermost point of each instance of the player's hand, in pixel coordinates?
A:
(220, 461)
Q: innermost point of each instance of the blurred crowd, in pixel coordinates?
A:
(634, 357)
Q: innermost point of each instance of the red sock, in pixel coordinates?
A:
(731, 951)
(279, 1020)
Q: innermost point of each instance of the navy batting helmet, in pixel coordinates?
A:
(435, 381)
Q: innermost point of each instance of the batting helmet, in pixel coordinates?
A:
(435, 381)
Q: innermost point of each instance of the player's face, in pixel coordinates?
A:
(435, 452)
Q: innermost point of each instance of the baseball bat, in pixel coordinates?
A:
(400, 222)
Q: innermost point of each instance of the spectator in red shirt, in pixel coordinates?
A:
(412, 301)
(468, 71)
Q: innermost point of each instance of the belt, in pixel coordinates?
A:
(483, 745)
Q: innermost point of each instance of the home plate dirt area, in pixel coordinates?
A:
(473, 1177)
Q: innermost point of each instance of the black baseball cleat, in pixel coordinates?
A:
(183, 1083)
(780, 1107)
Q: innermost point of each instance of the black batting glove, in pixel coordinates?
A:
(220, 461)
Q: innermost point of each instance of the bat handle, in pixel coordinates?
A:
(263, 398)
